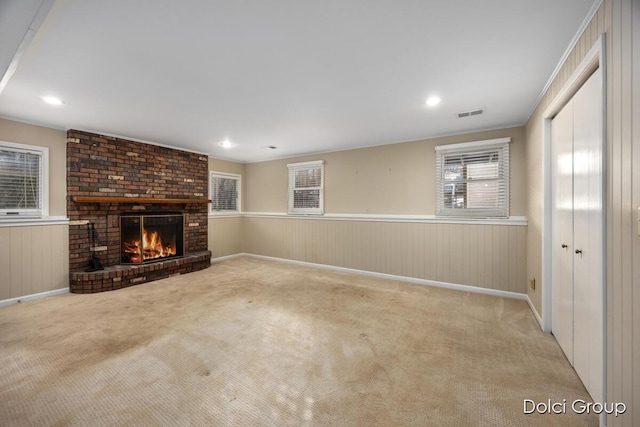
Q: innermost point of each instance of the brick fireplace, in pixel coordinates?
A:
(111, 182)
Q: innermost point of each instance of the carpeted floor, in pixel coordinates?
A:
(254, 342)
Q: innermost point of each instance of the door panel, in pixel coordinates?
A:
(588, 235)
(562, 229)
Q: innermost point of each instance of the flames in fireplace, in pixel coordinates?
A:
(151, 247)
(148, 238)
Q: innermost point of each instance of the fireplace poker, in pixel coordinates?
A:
(94, 262)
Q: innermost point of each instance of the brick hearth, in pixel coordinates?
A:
(121, 276)
(119, 176)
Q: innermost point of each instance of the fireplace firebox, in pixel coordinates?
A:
(151, 237)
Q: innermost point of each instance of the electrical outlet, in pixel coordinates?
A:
(532, 283)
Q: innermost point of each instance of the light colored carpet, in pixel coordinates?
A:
(254, 342)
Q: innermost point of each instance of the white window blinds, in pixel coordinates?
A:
(306, 187)
(473, 179)
(224, 192)
(21, 180)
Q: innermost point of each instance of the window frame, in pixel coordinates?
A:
(293, 167)
(43, 211)
(226, 175)
(501, 145)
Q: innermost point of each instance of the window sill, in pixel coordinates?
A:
(26, 222)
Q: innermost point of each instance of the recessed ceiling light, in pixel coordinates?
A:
(226, 144)
(433, 101)
(52, 100)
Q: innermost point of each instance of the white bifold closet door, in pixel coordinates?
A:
(577, 233)
(562, 229)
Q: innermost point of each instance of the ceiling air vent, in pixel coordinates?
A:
(470, 113)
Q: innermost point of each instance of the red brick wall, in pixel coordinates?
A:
(99, 165)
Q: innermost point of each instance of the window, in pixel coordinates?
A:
(306, 187)
(473, 179)
(23, 180)
(224, 191)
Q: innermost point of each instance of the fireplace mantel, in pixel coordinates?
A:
(138, 200)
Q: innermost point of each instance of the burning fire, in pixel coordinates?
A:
(152, 248)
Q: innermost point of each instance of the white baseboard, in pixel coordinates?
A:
(535, 312)
(223, 258)
(454, 286)
(33, 296)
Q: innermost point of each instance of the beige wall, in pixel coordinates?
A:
(485, 256)
(56, 141)
(225, 233)
(36, 258)
(535, 197)
(620, 20)
(388, 179)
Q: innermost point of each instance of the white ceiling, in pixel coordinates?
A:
(303, 75)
